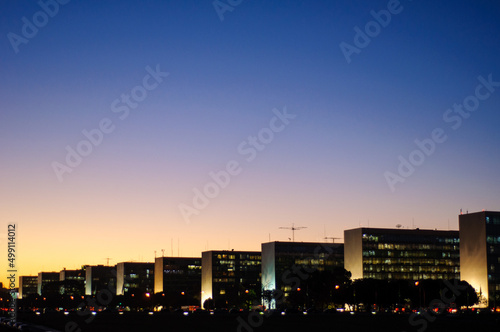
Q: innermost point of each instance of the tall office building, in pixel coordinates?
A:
(132, 276)
(28, 285)
(286, 264)
(230, 277)
(480, 254)
(410, 254)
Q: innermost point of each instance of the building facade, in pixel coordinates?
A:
(402, 254)
(287, 265)
(45, 278)
(99, 278)
(72, 282)
(480, 254)
(230, 278)
(132, 276)
(178, 275)
(27, 285)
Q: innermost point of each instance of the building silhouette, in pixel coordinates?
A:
(99, 278)
(480, 254)
(44, 278)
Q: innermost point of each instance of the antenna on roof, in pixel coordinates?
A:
(331, 238)
(293, 228)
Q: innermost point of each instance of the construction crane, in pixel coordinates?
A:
(331, 238)
(293, 228)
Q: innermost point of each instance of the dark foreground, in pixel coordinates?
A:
(111, 322)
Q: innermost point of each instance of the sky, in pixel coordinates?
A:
(129, 127)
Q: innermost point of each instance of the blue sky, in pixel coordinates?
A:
(324, 170)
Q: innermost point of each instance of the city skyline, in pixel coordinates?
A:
(163, 253)
(129, 127)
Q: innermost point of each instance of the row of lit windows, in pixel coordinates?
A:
(407, 261)
(413, 246)
(493, 239)
(242, 257)
(225, 256)
(493, 220)
(373, 253)
(410, 276)
(309, 261)
(399, 268)
(223, 280)
(250, 263)
(402, 238)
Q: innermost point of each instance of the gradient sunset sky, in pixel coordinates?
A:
(324, 170)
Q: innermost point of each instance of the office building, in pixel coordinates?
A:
(46, 278)
(174, 275)
(480, 254)
(72, 282)
(132, 276)
(404, 254)
(99, 278)
(27, 285)
(230, 278)
(286, 264)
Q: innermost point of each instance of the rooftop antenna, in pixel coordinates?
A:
(107, 261)
(155, 254)
(293, 228)
(331, 238)
(163, 253)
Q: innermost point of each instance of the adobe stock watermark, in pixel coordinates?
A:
(222, 6)
(30, 28)
(249, 149)
(362, 38)
(454, 117)
(94, 137)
